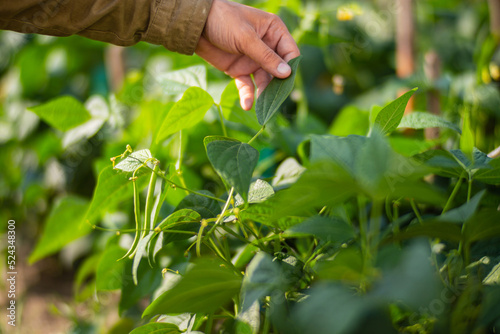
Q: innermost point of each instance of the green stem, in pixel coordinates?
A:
(267, 323)
(210, 321)
(415, 210)
(257, 134)
(224, 131)
(363, 226)
(453, 194)
(375, 225)
(469, 188)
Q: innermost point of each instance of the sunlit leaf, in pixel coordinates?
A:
(422, 120)
(63, 226)
(390, 116)
(63, 113)
(203, 289)
(188, 111)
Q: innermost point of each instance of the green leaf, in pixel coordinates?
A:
(422, 120)
(346, 266)
(464, 212)
(441, 162)
(234, 161)
(341, 150)
(265, 213)
(322, 184)
(490, 176)
(109, 274)
(204, 288)
(148, 281)
(182, 220)
(112, 187)
(232, 111)
(177, 82)
(263, 277)
(467, 138)
(188, 111)
(248, 321)
(275, 94)
(62, 113)
(390, 116)
(135, 160)
(331, 229)
(350, 121)
(206, 207)
(259, 191)
(157, 328)
(288, 172)
(63, 225)
(493, 277)
(433, 229)
(485, 224)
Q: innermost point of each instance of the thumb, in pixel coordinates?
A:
(263, 55)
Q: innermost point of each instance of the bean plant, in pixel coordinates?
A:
(349, 236)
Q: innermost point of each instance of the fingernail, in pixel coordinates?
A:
(247, 104)
(283, 68)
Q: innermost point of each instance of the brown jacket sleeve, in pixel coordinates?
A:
(175, 24)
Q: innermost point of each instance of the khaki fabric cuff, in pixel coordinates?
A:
(178, 24)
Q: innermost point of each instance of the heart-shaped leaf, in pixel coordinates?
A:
(233, 160)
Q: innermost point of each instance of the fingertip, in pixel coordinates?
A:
(246, 103)
(284, 69)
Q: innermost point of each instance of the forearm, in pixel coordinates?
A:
(175, 24)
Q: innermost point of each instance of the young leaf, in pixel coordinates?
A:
(390, 116)
(259, 192)
(62, 113)
(63, 225)
(188, 111)
(422, 120)
(204, 288)
(234, 161)
(467, 138)
(135, 160)
(275, 94)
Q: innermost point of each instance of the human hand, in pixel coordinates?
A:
(241, 41)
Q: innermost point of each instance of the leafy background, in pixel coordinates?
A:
(346, 236)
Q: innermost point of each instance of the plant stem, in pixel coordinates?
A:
(186, 189)
(375, 225)
(415, 210)
(453, 194)
(469, 188)
(222, 214)
(267, 323)
(224, 131)
(363, 226)
(210, 321)
(256, 135)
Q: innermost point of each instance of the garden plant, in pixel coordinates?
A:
(201, 217)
